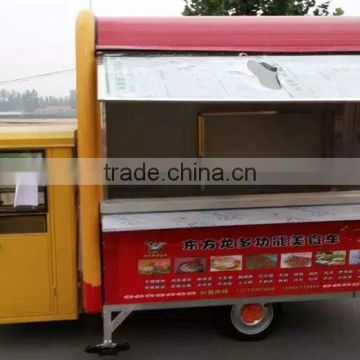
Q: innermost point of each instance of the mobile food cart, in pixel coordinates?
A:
(238, 87)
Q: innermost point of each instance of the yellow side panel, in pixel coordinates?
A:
(63, 233)
(25, 276)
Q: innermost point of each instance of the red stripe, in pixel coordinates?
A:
(92, 298)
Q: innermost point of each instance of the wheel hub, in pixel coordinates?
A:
(252, 314)
(252, 319)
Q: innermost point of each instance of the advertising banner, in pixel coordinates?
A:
(231, 262)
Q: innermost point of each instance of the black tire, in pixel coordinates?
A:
(243, 332)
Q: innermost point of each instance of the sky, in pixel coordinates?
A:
(38, 36)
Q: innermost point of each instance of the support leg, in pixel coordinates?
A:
(110, 324)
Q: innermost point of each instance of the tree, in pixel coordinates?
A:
(258, 7)
(339, 12)
(72, 99)
(30, 100)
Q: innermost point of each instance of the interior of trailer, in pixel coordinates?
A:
(261, 130)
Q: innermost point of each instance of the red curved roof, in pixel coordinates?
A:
(275, 34)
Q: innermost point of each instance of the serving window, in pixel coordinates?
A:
(23, 208)
(229, 107)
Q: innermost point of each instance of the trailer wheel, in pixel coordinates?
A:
(251, 322)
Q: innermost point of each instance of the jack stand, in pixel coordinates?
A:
(108, 347)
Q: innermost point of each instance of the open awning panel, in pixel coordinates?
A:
(229, 78)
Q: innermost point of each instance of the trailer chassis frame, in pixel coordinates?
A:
(122, 311)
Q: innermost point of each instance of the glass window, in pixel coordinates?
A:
(23, 207)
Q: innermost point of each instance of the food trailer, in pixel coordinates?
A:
(199, 88)
(220, 88)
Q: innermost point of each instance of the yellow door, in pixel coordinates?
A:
(25, 276)
(38, 267)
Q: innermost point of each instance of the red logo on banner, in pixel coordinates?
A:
(155, 247)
